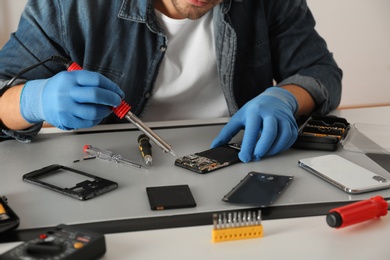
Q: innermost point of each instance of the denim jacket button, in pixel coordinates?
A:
(163, 48)
(147, 95)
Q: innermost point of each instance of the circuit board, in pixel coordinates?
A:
(210, 160)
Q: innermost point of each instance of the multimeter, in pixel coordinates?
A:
(61, 242)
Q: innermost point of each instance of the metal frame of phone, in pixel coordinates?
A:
(83, 190)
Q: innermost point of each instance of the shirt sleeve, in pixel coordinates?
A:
(301, 56)
(24, 49)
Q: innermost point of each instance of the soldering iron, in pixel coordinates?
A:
(122, 111)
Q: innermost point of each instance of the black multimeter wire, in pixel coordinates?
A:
(55, 58)
(24, 71)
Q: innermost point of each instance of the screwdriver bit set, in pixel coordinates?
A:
(237, 226)
(321, 132)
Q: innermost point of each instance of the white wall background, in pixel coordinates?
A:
(357, 32)
(10, 11)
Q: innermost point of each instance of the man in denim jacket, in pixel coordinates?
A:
(152, 52)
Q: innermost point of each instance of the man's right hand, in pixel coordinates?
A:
(70, 100)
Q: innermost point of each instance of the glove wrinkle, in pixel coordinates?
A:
(269, 124)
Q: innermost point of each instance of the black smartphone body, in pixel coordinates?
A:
(71, 182)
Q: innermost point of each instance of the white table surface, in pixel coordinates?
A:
(129, 201)
(296, 238)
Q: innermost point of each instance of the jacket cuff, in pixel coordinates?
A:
(24, 136)
(315, 89)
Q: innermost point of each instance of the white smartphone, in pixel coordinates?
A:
(344, 174)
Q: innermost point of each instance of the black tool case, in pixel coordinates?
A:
(321, 132)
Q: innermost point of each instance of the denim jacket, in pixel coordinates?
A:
(258, 43)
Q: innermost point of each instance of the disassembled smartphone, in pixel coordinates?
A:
(71, 182)
(344, 174)
(210, 160)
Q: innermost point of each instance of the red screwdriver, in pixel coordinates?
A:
(357, 212)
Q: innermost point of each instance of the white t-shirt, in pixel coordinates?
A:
(187, 85)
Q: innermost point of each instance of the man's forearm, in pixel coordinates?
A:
(305, 101)
(10, 109)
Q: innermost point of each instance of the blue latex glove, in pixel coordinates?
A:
(269, 124)
(70, 100)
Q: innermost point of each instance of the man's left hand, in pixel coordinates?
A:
(269, 124)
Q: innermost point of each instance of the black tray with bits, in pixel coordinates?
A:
(321, 132)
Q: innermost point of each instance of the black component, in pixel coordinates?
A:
(62, 242)
(210, 160)
(258, 189)
(8, 219)
(143, 142)
(54, 176)
(170, 197)
(44, 249)
(334, 219)
(321, 132)
(146, 148)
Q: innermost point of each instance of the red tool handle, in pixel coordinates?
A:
(120, 110)
(357, 212)
(74, 66)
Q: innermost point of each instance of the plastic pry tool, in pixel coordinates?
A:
(236, 226)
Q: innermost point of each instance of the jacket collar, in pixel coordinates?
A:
(136, 10)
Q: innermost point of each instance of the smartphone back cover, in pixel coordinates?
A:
(344, 174)
(258, 189)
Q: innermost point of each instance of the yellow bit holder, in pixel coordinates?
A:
(237, 233)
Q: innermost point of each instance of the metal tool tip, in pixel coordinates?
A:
(148, 160)
(173, 153)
